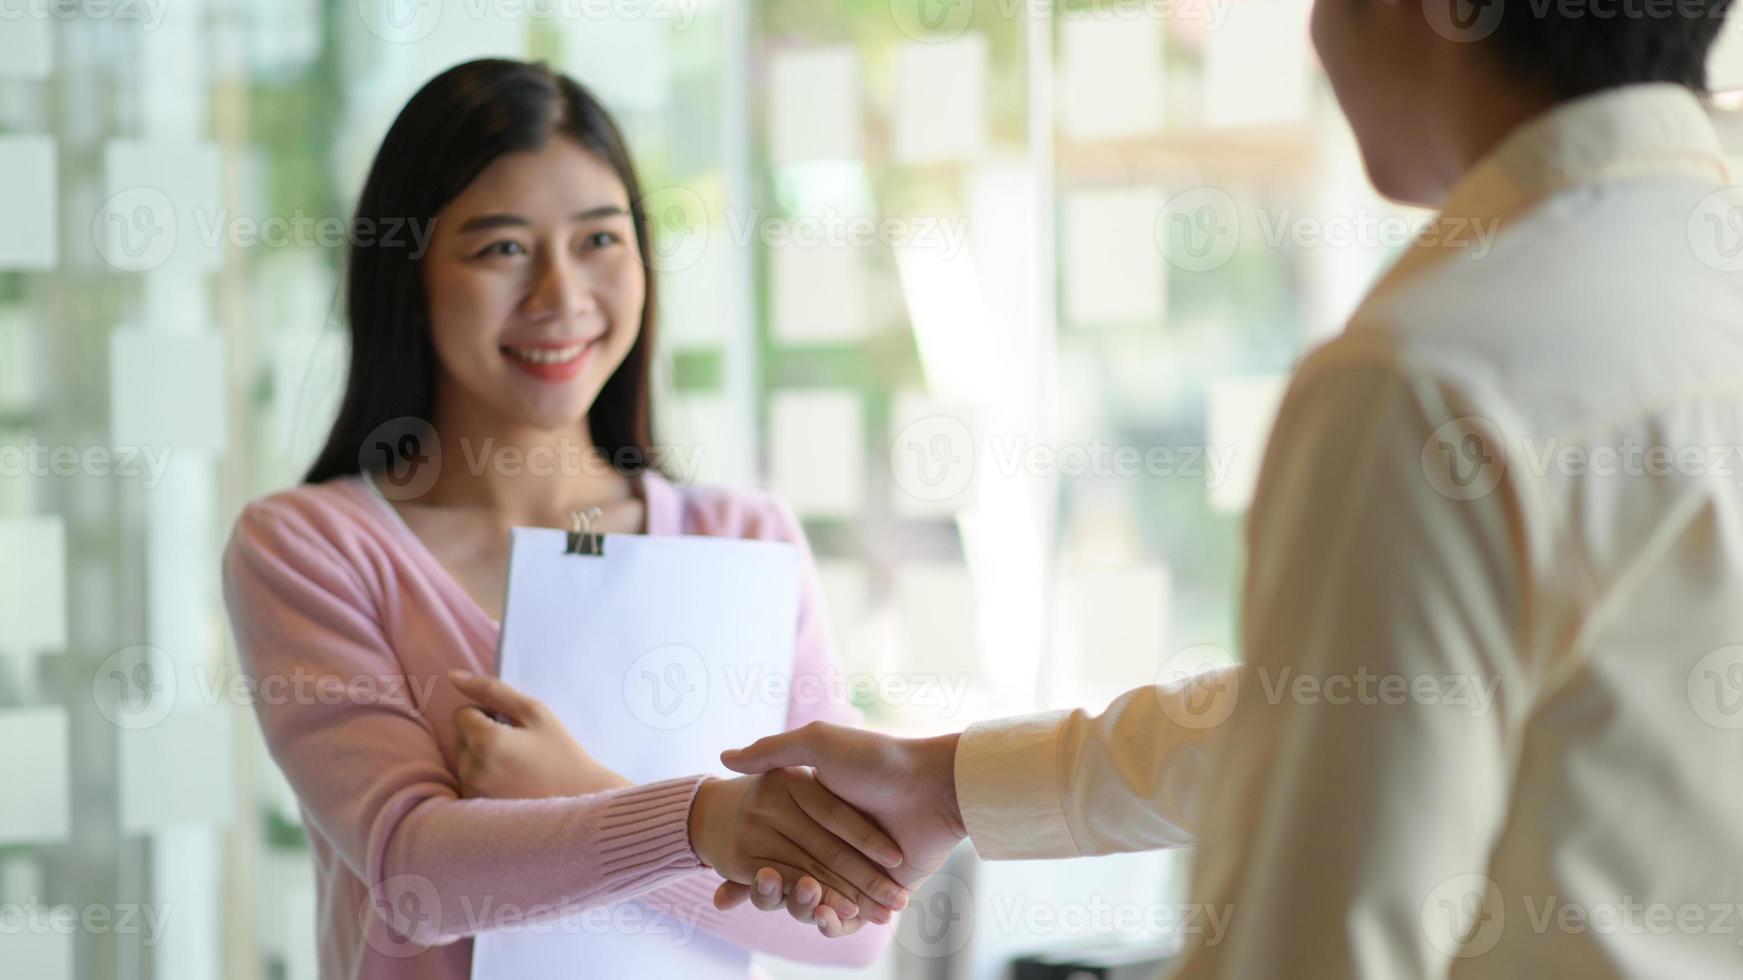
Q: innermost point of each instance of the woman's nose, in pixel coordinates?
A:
(562, 290)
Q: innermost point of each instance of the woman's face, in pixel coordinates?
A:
(535, 288)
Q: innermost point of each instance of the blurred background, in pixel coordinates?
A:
(1000, 294)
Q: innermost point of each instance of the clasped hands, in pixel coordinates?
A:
(832, 823)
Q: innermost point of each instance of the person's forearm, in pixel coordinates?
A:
(478, 859)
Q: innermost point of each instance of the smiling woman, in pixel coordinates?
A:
(524, 331)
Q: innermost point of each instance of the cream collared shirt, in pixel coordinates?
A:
(1490, 722)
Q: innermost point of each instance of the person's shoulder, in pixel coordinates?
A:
(313, 515)
(738, 512)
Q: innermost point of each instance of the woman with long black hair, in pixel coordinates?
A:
(524, 333)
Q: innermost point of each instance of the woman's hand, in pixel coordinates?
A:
(786, 821)
(529, 757)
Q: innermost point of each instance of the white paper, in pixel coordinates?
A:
(814, 99)
(657, 656)
(941, 100)
(1242, 411)
(26, 47)
(819, 293)
(35, 773)
(28, 238)
(1257, 66)
(816, 451)
(33, 585)
(167, 391)
(1113, 265)
(1112, 82)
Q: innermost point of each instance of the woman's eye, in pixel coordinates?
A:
(503, 248)
(602, 239)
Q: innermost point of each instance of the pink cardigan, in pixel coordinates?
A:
(341, 610)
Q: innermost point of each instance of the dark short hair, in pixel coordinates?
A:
(1575, 51)
(454, 127)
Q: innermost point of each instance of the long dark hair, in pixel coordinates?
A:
(455, 126)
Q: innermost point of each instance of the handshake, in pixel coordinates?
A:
(832, 823)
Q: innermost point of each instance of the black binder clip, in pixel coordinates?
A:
(582, 540)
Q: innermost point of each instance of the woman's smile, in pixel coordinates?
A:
(553, 361)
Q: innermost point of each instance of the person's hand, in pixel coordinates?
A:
(528, 756)
(907, 785)
(785, 822)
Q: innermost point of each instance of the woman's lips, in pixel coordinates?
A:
(552, 361)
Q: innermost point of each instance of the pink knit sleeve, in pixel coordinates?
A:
(816, 694)
(371, 777)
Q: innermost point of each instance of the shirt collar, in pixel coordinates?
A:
(1652, 130)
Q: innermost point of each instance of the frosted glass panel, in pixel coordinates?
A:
(34, 771)
(1111, 78)
(179, 771)
(28, 239)
(814, 452)
(814, 98)
(164, 207)
(33, 584)
(626, 62)
(941, 100)
(819, 293)
(1257, 65)
(26, 47)
(40, 955)
(1113, 267)
(168, 390)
